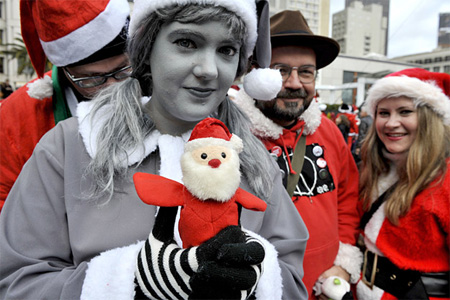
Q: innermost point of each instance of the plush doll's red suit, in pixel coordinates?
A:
(210, 195)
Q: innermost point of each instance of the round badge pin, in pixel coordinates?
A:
(317, 151)
(322, 163)
(323, 174)
(277, 151)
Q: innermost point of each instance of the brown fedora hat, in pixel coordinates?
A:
(289, 28)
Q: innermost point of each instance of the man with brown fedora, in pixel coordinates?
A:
(319, 171)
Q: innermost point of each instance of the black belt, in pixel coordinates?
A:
(403, 284)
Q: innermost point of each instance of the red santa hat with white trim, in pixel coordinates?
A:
(431, 89)
(255, 14)
(211, 132)
(73, 32)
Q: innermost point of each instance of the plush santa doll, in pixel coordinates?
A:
(210, 197)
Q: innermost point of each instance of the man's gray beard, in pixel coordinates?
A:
(292, 110)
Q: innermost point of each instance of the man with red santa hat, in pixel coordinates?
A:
(86, 43)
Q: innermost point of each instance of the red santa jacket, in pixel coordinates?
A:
(24, 119)
(421, 239)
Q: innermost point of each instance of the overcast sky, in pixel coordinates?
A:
(413, 24)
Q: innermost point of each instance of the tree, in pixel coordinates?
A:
(18, 51)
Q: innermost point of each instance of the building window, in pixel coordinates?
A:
(2, 62)
(447, 69)
(428, 60)
(1, 9)
(1, 36)
(438, 59)
(419, 61)
(436, 69)
(447, 58)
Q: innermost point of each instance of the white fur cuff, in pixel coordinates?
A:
(111, 274)
(350, 259)
(270, 284)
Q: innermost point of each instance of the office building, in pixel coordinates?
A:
(316, 12)
(360, 30)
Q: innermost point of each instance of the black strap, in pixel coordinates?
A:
(367, 215)
(297, 164)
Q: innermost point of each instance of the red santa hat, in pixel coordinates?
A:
(67, 32)
(431, 89)
(211, 131)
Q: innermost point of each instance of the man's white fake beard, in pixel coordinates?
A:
(205, 182)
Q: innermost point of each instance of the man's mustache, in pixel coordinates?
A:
(292, 94)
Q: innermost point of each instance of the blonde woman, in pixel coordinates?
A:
(405, 188)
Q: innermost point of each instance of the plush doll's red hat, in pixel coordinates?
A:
(211, 131)
(67, 32)
(423, 87)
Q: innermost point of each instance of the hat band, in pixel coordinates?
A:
(292, 31)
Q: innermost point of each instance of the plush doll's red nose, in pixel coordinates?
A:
(214, 163)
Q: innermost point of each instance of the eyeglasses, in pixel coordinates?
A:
(93, 81)
(306, 74)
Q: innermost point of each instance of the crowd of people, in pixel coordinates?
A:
(124, 98)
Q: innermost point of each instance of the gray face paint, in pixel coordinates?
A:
(193, 65)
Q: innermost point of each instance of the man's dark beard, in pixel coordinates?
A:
(292, 110)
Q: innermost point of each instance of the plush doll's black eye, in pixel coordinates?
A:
(204, 155)
(224, 155)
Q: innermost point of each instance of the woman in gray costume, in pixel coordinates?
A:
(73, 225)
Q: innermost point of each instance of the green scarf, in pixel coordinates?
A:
(60, 108)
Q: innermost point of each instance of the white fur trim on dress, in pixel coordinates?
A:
(350, 259)
(422, 92)
(264, 127)
(263, 84)
(171, 147)
(270, 284)
(110, 275)
(245, 9)
(89, 38)
(373, 227)
(40, 88)
(90, 129)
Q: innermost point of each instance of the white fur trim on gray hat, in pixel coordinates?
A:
(421, 92)
(245, 9)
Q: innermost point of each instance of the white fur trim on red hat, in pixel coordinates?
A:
(245, 9)
(89, 37)
(41, 88)
(263, 84)
(421, 92)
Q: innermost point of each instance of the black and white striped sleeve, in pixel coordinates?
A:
(164, 269)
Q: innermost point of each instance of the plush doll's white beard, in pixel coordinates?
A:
(205, 182)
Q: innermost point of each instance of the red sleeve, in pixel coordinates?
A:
(23, 121)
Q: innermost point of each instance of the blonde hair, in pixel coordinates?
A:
(426, 161)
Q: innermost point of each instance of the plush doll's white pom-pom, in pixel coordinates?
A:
(333, 287)
(41, 88)
(263, 84)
